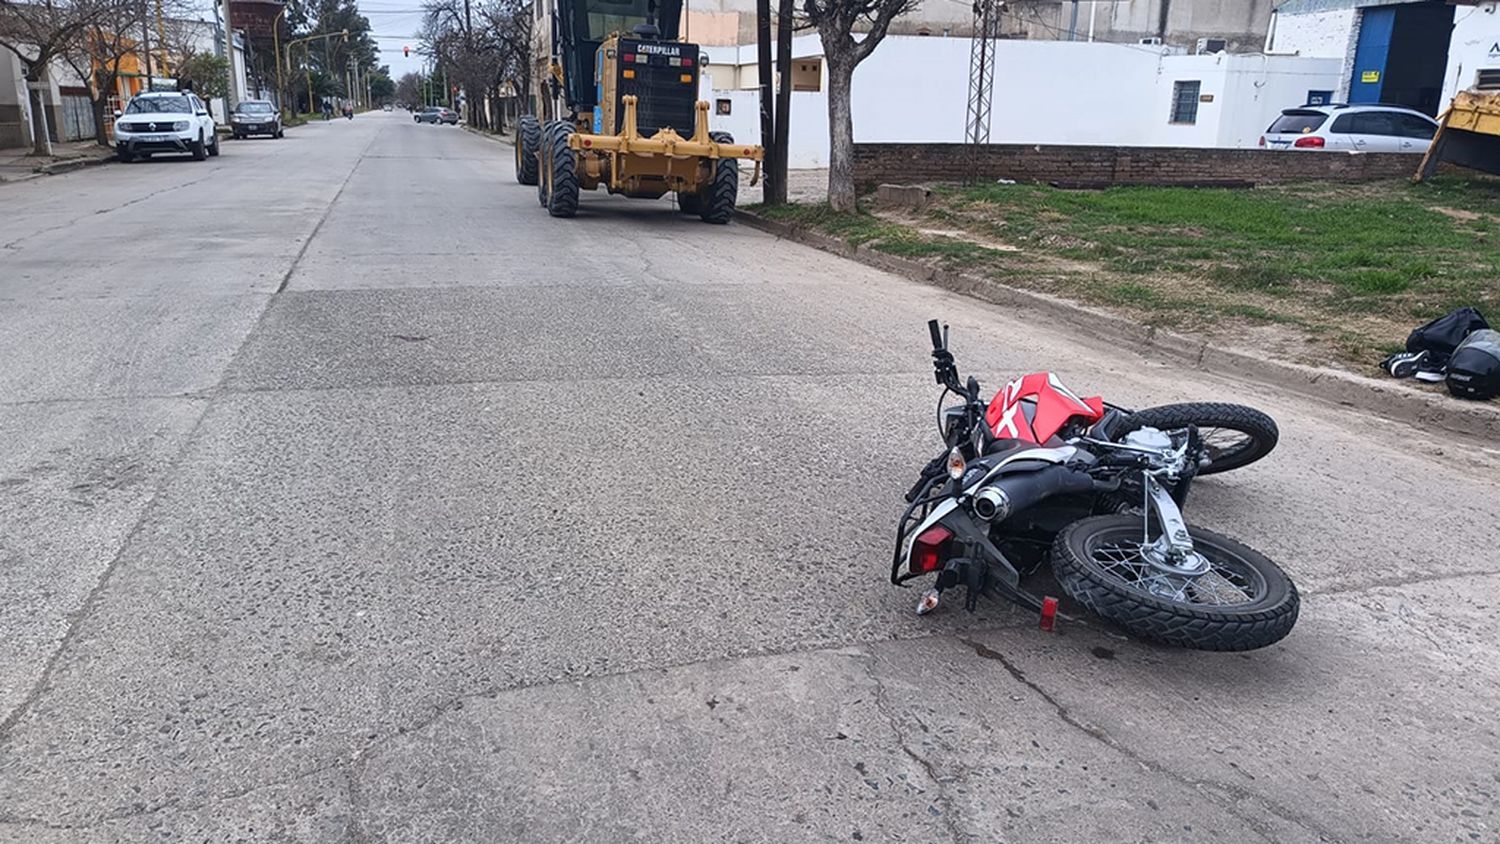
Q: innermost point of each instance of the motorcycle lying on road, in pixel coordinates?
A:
(1039, 474)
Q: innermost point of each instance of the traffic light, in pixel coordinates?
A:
(406, 52)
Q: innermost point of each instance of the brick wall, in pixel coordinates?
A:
(875, 164)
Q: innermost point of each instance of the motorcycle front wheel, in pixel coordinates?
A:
(1243, 602)
(1233, 435)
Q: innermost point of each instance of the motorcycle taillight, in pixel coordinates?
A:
(927, 550)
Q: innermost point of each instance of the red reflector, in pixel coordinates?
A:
(1049, 614)
(587, 142)
(629, 57)
(926, 552)
(1309, 142)
(687, 62)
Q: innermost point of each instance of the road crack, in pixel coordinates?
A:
(1214, 789)
(949, 813)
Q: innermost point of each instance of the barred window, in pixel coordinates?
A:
(1185, 101)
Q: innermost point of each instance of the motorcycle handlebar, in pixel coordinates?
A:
(937, 335)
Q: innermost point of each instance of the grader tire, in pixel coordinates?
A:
(689, 203)
(528, 141)
(562, 192)
(544, 163)
(717, 201)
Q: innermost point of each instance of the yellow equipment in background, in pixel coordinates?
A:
(637, 128)
(1468, 134)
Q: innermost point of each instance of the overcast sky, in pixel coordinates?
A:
(394, 24)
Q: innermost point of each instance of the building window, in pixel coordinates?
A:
(1185, 101)
(807, 75)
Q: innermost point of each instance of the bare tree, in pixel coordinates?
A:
(508, 23)
(96, 57)
(836, 22)
(409, 89)
(38, 31)
(451, 35)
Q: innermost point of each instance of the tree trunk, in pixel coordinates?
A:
(840, 134)
(98, 103)
(41, 137)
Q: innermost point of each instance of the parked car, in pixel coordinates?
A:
(1351, 128)
(436, 115)
(165, 121)
(255, 117)
(386, 107)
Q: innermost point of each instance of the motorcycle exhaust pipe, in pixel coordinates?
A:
(992, 504)
(1017, 493)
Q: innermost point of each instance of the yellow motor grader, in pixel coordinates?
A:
(634, 123)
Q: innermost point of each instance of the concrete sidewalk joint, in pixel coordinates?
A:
(1389, 399)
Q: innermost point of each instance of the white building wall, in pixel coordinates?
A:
(1475, 45)
(1317, 34)
(914, 90)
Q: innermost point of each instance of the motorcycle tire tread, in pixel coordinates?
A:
(1167, 622)
(1209, 415)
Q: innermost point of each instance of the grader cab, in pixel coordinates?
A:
(631, 118)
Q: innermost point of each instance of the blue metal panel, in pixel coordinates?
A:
(1375, 30)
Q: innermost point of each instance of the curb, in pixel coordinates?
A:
(503, 140)
(72, 164)
(1388, 399)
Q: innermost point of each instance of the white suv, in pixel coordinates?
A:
(165, 121)
(1351, 128)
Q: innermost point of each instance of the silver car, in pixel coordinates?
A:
(1351, 128)
(255, 117)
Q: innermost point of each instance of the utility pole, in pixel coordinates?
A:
(229, 93)
(767, 108)
(146, 43)
(1073, 23)
(776, 189)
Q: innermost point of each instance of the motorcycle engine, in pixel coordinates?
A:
(1149, 438)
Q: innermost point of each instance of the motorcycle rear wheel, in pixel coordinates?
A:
(1245, 602)
(1233, 435)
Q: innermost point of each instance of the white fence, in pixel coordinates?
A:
(915, 89)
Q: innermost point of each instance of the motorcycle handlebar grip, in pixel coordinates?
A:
(937, 334)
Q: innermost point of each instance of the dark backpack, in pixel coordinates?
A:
(1441, 336)
(1474, 368)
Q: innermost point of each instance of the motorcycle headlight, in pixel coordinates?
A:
(180, 126)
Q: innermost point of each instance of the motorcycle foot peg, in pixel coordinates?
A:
(1049, 614)
(929, 601)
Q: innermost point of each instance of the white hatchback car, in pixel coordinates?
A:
(165, 121)
(1351, 128)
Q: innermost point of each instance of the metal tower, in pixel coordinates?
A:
(981, 76)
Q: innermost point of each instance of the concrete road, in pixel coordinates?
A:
(346, 496)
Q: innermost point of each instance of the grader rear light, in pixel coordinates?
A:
(628, 74)
(687, 77)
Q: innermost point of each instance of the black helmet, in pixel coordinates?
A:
(1474, 368)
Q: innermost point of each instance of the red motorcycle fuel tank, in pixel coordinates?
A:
(1035, 407)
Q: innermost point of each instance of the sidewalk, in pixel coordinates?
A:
(18, 164)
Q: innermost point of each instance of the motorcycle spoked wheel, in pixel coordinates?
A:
(1245, 602)
(1233, 435)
